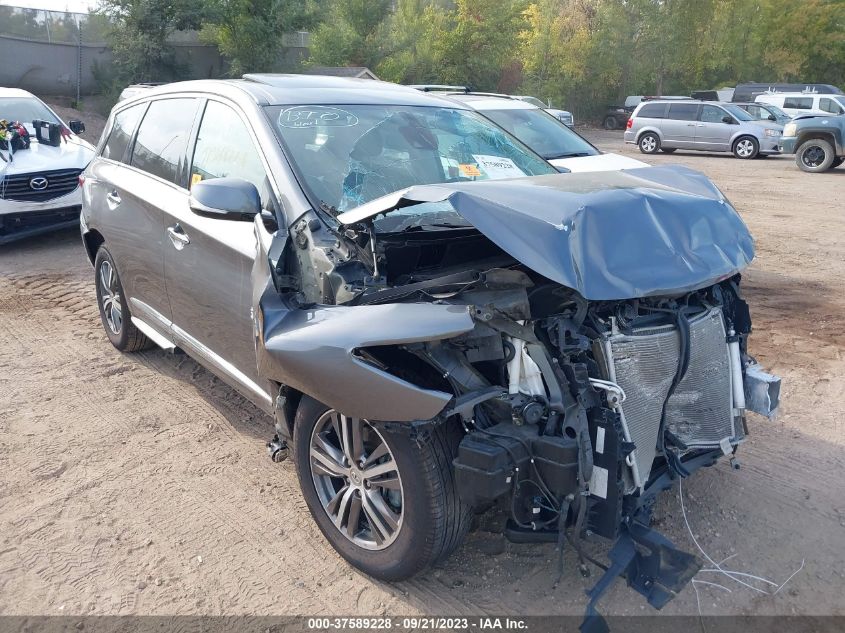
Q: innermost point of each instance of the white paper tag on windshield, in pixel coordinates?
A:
(497, 167)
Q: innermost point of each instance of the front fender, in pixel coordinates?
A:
(313, 350)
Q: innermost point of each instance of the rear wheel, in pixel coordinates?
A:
(385, 502)
(114, 310)
(649, 143)
(746, 147)
(815, 155)
(610, 123)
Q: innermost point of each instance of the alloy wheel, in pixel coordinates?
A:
(745, 148)
(110, 297)
(648, 144)
(356, 479)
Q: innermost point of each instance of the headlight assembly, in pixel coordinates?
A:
(773, 133)
(789, 129)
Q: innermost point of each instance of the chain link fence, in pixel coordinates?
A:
(57, 52)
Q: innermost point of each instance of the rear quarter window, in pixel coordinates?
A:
(683, 111)
(124, 126)
(653, 111)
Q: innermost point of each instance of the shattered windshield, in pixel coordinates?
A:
(351, 154)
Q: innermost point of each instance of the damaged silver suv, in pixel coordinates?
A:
(438, 321)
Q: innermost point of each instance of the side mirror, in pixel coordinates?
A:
(562, 169)
(225, 199)
(77, 127)
(772, 117)
(727, 119)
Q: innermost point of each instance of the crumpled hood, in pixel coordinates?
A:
(72, 154)
(608, 235)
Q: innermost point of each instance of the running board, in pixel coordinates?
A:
(154, 336)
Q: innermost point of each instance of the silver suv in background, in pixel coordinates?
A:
(705, 126)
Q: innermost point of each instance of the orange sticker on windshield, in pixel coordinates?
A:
(195, 178)
(469, 170)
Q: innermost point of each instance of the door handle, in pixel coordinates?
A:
(113, 198)
(690, 124)
(178, 237)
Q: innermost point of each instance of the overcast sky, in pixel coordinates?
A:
(75, 6)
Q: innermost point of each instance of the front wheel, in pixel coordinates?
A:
(746, 147)
(385, 502)
(815, 155)
(649, 143)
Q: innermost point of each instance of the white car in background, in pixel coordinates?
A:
(565, 116)
(800, 103)
(545, 134)
(39, 186)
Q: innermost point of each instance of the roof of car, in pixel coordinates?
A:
(14, 92)
(282, 89)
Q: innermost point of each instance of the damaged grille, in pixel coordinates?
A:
(700, 411)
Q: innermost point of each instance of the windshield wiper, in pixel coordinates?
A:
(566, 155)
(329, 208)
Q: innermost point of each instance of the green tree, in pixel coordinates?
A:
(481, 42)
(409, 37)
(348, 36)
(249, 32)
(139, 37)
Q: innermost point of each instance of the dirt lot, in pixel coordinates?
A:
(139, 484)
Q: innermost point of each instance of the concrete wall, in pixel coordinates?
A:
(53, 68)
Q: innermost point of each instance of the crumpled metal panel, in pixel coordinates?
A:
(608, 235)
(313, 350)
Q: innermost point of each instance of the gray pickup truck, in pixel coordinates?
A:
(818, 142)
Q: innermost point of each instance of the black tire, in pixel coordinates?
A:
(124, 336)
(649, 143)
(610, 123)
(746, 148)
(815, 155)
(434, 521)
(837, 162)
(667, 150)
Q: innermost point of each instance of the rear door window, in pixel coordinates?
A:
(711, 114)
(159, 148)
(653, 111)
(683, 111)
(124, 126)
(798, 103)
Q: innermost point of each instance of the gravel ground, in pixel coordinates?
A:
(139, 484)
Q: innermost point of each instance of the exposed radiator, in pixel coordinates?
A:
(700, 411)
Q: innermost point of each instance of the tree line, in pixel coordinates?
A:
(580, 54)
